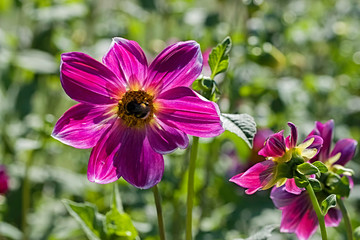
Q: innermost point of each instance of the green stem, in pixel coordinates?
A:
(347, 221)
(190, 193)
(159, 212)
(26, 197)
(318, 211)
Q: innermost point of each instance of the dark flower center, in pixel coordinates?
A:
(136, 108)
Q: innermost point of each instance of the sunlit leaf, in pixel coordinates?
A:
(307, 169)
(328, 203)
(219, 57)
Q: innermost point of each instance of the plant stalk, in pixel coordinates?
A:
(159, 212)
(190, 192)
(346, 217)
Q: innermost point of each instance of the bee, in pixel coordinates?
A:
(139, 110)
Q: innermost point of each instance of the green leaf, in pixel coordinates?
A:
(9, 231)
(89, 219)
(322, 167)
(328, 203)
(263, 234)
(338, 185)
(357, 233)
(307, 169)
(119, 226)
(301, 182)
(207, 88)
(219, 57)
(315, 184)
(243, 125)
(342, 170)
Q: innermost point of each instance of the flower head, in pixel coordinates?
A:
(130, 112)
(298, 214)
(278, 167)
(4, 180)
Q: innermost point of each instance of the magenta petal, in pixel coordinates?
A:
(256, 177)
(183, 109)
(325, 131)
(164, 139)
(292, 139)
(347, 149)
(140, 165)
(177, 65)
(260, 138)
(104, 155)
(333, 217)
(83, 124)
(281, 198)
(291, 187)
(274, 146)
(127, 60)
(308, 225)
(86, 80)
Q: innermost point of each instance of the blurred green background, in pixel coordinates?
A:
(292, 60)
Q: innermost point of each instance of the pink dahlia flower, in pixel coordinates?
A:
(278, 151)
(4, 180)
(298, 214)
(132, 113)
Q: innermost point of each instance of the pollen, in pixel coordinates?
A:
(136, 108)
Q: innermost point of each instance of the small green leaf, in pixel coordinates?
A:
(322, 167)
(219, 57)
(338, 185)
(342, 170)
(300, 182)
(328, 203)
(119, 226)
(89, 219)
(315, 184)
(243, 125)
(207, 88)
(307, 169)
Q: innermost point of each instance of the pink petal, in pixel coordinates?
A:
(307, 225)
(281, 198)
(274, 146)
(292, 139)
(260, 138)
(333, 217)
(104, 156)
(347, 148)
(127, 60)
(83, 124)
(86, 80)
(164, 139)
(177, 65)
(183, 109)
(256, 177)
(325, 131)
(139, 164)
(291, 187)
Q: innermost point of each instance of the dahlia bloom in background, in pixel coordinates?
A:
(131, 113)
(4, 180)
(275, 170)
(298, 214)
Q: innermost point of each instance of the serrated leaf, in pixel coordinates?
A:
(219, 57)
(119, 226)
(91, 222)
(328, 203)
(315, 184)
(243, 125)
(321, 166)
(307, 169)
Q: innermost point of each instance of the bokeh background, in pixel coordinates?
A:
(291, 60)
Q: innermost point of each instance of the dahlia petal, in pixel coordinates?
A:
(183, 109)
(177, 65)
(140, 165)
(104, 156)
(307, 225)
(325, 131)
(88, 81)
(164, 139)
(292, 139)
(281, 198)
(260, 138)
(257, 177)
(128, 61)
(347, 149)
(83, 124)
(291, 187)
(274, 146)
(333, 217)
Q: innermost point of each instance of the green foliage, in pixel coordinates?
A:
(243, 125)
(219, 57)
(322, 167)
(207, 88)
(338, 185)
(328, 203)
(315, 184)
(307, 169)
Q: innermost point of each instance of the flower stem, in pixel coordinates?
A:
(159, 212)
(190, 193)
(347, 221)
(26, 197)
(318, 211)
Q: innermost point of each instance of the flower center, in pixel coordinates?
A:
(136, 108)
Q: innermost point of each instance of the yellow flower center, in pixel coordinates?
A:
(136, 108)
